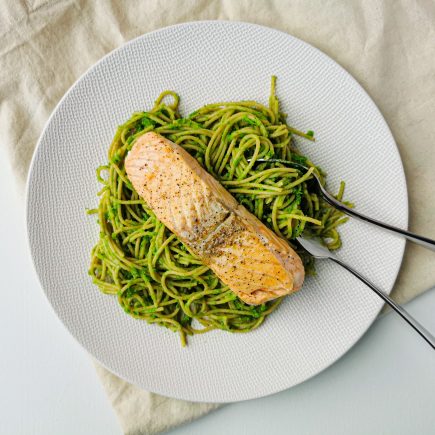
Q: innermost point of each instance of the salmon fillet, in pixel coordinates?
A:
(251, 259)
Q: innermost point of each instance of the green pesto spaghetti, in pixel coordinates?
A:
(153, 274)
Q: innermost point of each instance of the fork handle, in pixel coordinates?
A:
(420, 240)
(399, 310)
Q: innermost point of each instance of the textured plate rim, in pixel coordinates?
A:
(113, 53)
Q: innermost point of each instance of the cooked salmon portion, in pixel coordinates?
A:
(252, 260)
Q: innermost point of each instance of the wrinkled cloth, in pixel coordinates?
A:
(388, 46)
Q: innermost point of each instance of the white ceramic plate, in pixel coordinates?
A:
(207, 62)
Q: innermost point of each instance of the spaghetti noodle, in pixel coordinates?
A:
(153, 274)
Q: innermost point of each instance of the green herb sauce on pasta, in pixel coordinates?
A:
(153, 274)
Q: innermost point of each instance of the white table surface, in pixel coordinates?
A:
(385, 385)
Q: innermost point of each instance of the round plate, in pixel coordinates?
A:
(207, 62)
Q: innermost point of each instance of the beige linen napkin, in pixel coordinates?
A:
(389, 46)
